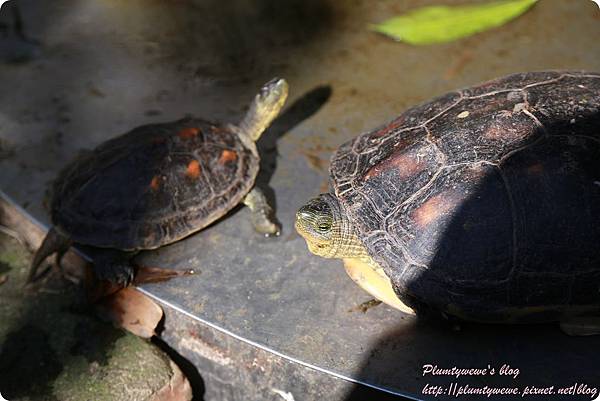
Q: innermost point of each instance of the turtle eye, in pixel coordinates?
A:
(324, 226)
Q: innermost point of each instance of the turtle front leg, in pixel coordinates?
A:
(262, 213)
(114, 267)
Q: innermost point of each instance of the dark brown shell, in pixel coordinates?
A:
(485, 200)
(153, 185)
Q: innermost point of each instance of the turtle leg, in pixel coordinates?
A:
(54, 242)
(581, 325)
(114, 266)
(262, 213)
(60, 253)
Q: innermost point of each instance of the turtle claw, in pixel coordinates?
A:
(272, 234)
(267, 228)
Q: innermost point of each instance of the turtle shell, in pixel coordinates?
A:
(153, 185)
(485, 202)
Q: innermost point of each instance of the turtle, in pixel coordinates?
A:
(482, 204)
(159, 183)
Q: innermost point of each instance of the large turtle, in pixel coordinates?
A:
(483, 204)
(159, 183)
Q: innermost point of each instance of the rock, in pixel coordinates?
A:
(52, 348)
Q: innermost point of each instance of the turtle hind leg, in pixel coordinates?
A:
(581, 325)
(262, 213)
(118, 268)
(54, 242)
(114, 266)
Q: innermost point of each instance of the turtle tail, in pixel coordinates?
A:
(54, 242)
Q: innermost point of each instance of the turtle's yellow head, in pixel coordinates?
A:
(329, 233)
(326, 229)
(317, 223)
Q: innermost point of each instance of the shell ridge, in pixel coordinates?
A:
(513, 213)
(432, 180)
(513, 152)
(424, 123)
(535, 120)
(428, 138)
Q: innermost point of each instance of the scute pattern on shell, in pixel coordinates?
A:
(154, 185)
(482, 191)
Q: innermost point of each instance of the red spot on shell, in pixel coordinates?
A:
(217, 130)
(193, 169)
(188, 133)
(406, 165)
(155, 183)
(494, 132)
(507, 127)
(433, 208)
(536, 169)
(227, 156)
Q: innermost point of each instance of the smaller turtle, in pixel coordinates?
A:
(160, 183)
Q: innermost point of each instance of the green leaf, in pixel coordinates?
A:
(437, 24)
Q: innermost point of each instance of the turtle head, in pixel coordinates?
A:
(326, 229)
(266, 105)
(317, 223)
